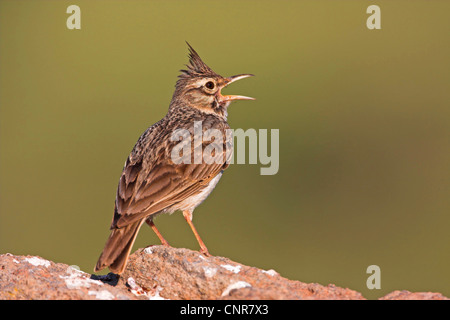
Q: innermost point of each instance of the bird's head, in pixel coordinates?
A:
(200, 87)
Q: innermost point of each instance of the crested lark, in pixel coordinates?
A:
(151, 182)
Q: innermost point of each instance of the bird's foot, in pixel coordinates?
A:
(205, 252)
(166, 244)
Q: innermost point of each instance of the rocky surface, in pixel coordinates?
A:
(160, 272)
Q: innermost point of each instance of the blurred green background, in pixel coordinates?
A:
(363, 114)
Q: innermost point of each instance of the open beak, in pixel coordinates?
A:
(231, 80)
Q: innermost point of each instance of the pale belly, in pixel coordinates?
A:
(194, 201)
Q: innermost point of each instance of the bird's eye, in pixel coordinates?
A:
(210, 85)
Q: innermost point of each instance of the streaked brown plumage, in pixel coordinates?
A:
(151, 183)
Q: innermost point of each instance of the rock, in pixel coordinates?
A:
(31, 277)
(159, 272)
(185, 274)
(406, 295)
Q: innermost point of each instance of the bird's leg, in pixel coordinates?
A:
(188, 216)
(164, 242)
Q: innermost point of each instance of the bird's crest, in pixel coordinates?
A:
(196, 66)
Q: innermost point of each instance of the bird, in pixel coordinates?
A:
(153, 183)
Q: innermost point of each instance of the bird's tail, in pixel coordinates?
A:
(117, 248)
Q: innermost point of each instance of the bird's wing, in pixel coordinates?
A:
(148, 186)
(166, 185)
